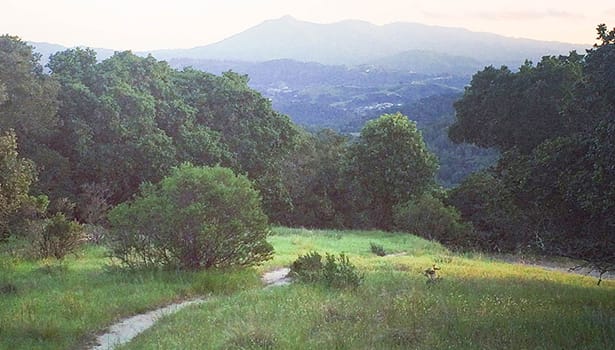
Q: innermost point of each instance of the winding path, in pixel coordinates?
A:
(125, 330)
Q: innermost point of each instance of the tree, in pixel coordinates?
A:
(558, 172)
(323, 191)
(499, 225)
(130, 119)
(519, 110)
(28, 105)
(16, 176)
(604, 35)
(392, 164)
(198, 217)
(428, 217)
(257, 140)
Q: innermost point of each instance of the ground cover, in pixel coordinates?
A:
(478, 303)
(63, 305)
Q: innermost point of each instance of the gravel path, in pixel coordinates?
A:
(277, 277)
(125, 330)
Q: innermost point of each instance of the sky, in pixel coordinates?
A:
(141, 25)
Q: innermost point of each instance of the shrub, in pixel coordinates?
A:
(60, 237)
(198, 217)
(335, 271)
(428, 217)
(7, 288)
(377, 249)
(484, 200)
(307, 268)
(339, 272)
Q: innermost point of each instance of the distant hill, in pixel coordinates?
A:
(301, 75)
(356, 42)
(427, 62)
(407, 47)
(335, 96)
(47, 49)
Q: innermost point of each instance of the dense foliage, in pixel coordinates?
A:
(195, 218)
(114, 124)
(556, 124)
(428, 217)
(16, 176)
(392, 164)
(60, 237)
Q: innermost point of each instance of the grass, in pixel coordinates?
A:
(62, 305)
(479, 303)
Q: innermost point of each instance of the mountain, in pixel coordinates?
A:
(427, 62)
(357, 42)
(409, 47)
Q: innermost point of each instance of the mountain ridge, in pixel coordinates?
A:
(354, 43)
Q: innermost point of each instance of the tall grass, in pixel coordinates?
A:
(61, 305)
(477, 304)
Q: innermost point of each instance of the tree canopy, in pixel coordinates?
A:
(519, 110)
(556, 124)
(16, 176)
(392, 164)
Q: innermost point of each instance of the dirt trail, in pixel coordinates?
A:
(277, 277)
(125, 330)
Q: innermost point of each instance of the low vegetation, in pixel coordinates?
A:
(58, 305)
(196, 218)
(477, 303)
(51, 304)
(335, 271)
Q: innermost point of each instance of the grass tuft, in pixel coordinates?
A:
(377, 249)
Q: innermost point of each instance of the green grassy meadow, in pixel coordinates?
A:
(63, 305)
(479, 303)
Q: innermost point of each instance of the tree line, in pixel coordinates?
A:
(90, 133)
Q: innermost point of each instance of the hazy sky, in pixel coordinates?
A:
(155, 24)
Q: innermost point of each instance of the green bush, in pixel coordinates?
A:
(198, 217)
(307, 268)
(335, 271)
(60, 237)
(428, 217)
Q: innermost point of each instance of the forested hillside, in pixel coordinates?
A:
(318, 96)
(96, 131)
